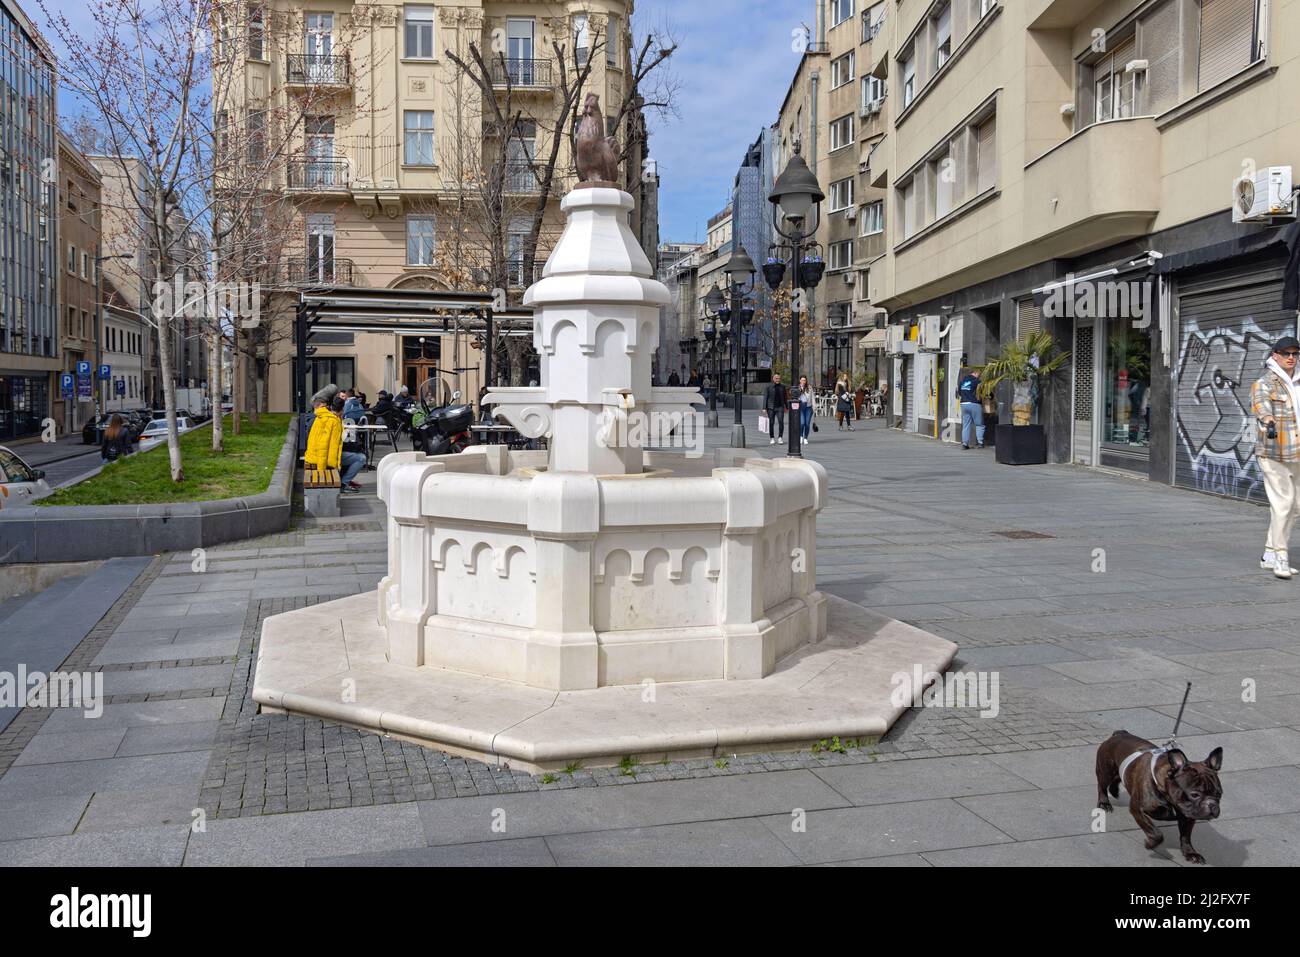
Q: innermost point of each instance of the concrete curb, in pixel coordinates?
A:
(78, 533)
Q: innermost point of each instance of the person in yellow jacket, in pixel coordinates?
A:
(325, 447)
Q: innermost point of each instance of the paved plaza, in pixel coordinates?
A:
(1093, 597)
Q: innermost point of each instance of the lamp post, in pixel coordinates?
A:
(797, 197)
(726, 307)
(711, 370)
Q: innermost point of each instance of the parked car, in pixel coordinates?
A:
(19, 482)
(155, 432)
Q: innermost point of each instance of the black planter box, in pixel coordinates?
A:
(1020, 444)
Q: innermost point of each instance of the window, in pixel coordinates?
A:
(841, 194)
(611, 42)
(943, 174)
(842, 70)
(873, 89)
(420, 240)
(256, 33)
(841, 255)
(873, 218)
(842, 132)
(72, 321)
(320, 247)
(907, 67)
(841, 10)
(581, 39)
(418, 138)
(256, 137)
(419, 32)
(872, 20)
(1113, 87)
(942, 37)
(72, 258)
(85, 265)
(907, 200)
(1227, 40)
(986, 159)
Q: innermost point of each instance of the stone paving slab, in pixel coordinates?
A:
(520, 852)
(290, 839)
(131, 847)
(732, 843)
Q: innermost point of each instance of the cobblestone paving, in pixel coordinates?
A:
(912, 529)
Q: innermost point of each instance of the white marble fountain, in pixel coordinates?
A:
(601, 598)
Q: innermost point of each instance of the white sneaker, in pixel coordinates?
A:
(804, 440)
(1282, 567)
(771, 441)
(1269, 559)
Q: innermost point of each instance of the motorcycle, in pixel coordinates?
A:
(441, 424)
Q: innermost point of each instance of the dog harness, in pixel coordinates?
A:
(1155, 756)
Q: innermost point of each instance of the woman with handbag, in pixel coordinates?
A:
(116, 443)
(805, 409)
(843, 405)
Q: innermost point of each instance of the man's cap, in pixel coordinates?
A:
(1285, 343)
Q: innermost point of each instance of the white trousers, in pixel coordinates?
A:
(1282, 483)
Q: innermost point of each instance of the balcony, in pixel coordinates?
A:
(520, 178)
(316, 272)
(521, 73)
(1100, 186)
(318, 174)
(317, 70)
(518, 278)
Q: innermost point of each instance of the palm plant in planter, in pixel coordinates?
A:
(1025, 365)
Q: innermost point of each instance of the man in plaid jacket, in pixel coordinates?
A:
(1275, 399)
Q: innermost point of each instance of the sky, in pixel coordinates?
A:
(734, 62)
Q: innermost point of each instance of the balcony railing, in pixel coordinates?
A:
(312, 271)
(518, 277)
(317, 173)
(521, 72)
(315, 69)
(520, 178)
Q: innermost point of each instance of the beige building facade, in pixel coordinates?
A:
(1071, 166)
(387, 172)
(78, 230)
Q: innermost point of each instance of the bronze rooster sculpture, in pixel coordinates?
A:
(597, 153)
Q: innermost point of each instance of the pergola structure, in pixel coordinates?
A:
(352, 309)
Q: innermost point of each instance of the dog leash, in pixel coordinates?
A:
(1168, 746)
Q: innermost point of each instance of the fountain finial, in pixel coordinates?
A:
(597, 153)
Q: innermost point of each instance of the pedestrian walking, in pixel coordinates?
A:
(774, 399)
(1275, 399)
(843, 405)
(805, 409)
(972, 412)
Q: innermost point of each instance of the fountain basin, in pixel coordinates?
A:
(701, 569)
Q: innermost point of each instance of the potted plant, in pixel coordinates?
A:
(1025, 365)
(773, 271)
(811, 270)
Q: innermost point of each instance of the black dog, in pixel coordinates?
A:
(1162, 785)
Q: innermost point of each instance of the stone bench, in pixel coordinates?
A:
(321, 489)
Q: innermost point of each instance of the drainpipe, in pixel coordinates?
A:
(821, 21)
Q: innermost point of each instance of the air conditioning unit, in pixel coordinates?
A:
(928, 337)
(1265, 197)
(851, 214)
(850, 279)
(893, 340)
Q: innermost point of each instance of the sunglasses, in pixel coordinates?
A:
(1289, 355)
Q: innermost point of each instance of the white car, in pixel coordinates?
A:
(155, 432)
(20, 484)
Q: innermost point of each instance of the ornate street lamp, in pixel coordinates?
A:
(796, 196)
(711, 369)
(729, 305)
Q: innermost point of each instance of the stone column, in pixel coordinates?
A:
(408, 595)
(749, 652)
(564, 519)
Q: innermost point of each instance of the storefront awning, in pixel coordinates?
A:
(1284, 237)
(875, 339)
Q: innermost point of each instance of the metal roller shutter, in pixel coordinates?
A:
(1227, 38)
(909, 394)
(1227, 324)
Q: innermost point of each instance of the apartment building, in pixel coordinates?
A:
(78, 231)
(835, 111)
(128, 342)
(392, 150)
(669, 355)
(1072, 166)
(29, 328)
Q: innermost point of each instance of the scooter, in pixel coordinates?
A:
(444, 428)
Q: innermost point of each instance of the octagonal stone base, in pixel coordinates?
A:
(329, 661)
